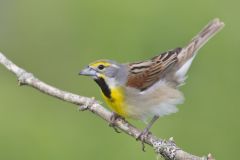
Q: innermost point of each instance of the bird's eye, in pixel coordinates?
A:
(101, 67)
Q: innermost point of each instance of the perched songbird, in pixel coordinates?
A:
(148, 88)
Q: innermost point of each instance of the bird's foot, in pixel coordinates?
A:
(114, 117)
(142, 136)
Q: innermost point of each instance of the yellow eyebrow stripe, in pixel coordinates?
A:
(96, 64)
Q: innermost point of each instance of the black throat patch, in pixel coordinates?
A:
(104, 87)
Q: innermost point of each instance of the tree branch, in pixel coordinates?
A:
(167, 149)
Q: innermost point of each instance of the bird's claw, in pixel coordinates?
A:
(114, 127)
(142, 137)
(114, 117)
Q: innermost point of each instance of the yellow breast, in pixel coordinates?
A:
(117, 101)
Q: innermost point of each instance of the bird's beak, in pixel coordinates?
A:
(88, 72)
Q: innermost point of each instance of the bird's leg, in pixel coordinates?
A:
(143, 135)
(113, 120)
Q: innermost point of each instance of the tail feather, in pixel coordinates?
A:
(186, 56)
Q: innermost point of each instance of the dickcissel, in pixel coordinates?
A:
(148, 88)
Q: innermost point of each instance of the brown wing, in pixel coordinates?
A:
(144, 74)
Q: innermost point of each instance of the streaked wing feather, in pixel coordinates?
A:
(146, 73)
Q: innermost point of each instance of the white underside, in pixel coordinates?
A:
(181, 73)
(160, 99)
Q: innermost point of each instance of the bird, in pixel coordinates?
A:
(149, 89)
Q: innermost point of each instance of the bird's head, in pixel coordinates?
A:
(101, 69)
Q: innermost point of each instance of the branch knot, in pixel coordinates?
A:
(23, 77)
(165, 148)
(87, 104)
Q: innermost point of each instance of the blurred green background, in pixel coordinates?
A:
(55, 39)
